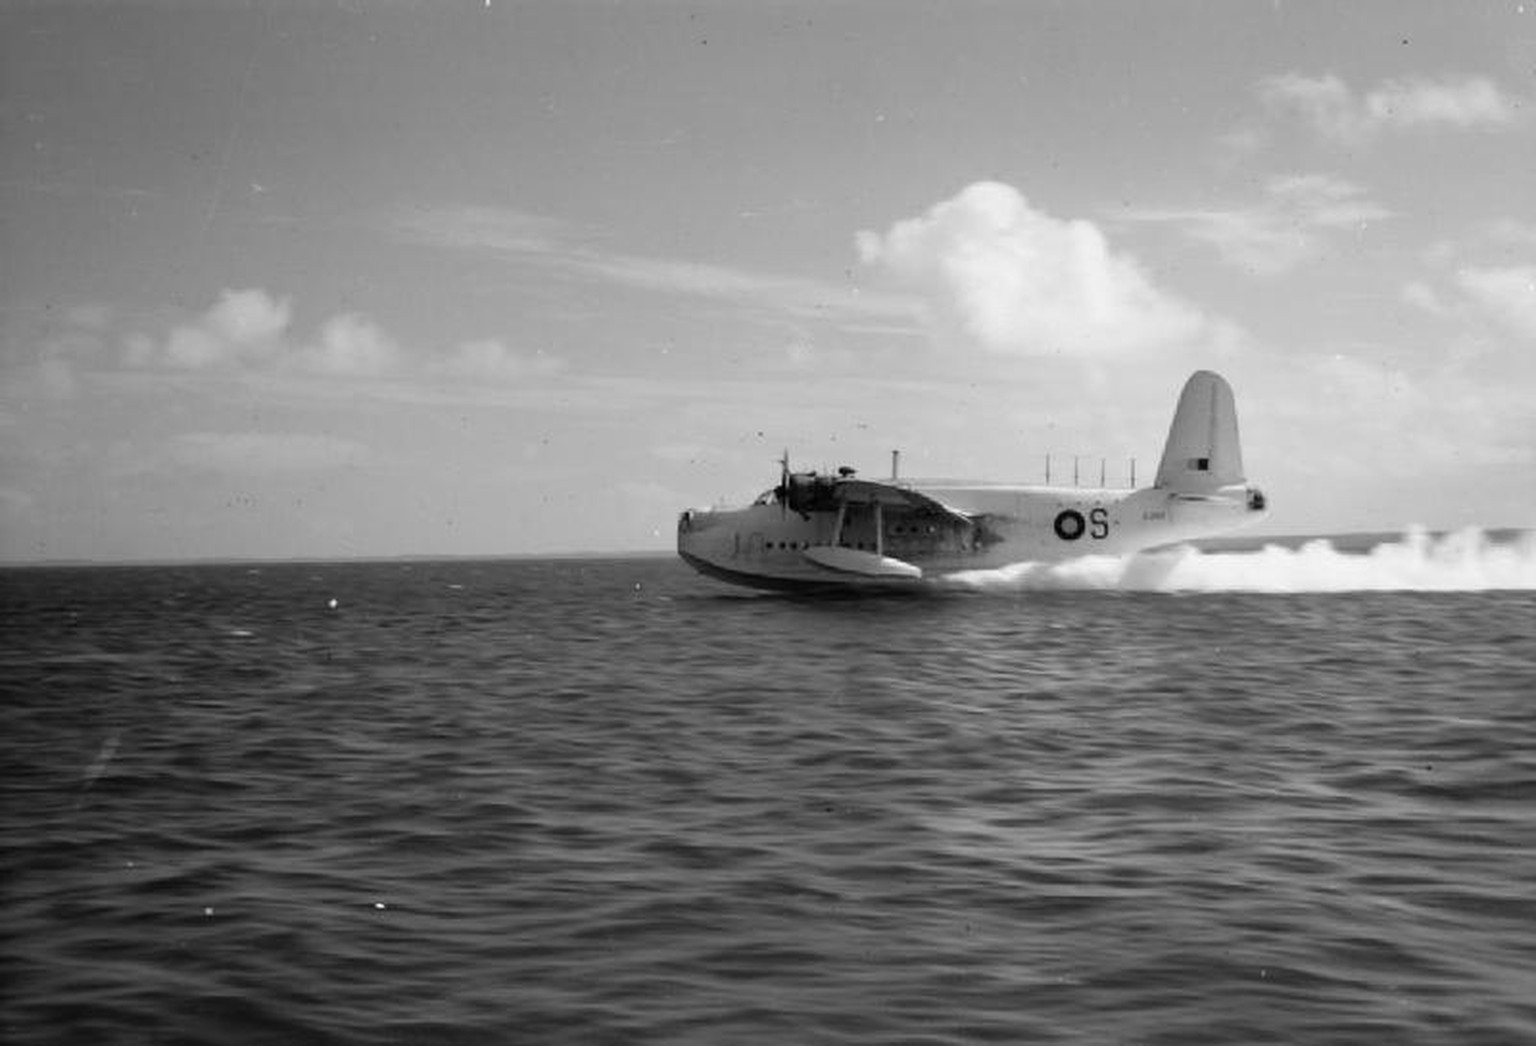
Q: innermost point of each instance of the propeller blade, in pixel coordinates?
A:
(784, 483)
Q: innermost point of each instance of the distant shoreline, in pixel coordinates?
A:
(271, 561)
(1348, 542)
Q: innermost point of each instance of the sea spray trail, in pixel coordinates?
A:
(1463, 561)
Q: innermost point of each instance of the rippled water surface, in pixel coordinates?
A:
(609, 802)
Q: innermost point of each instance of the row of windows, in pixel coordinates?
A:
(792, 546)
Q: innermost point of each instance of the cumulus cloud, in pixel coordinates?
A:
(1012, 278)
(250, 317)
(350, 345)
(242, 326)
(489, 359)
(1337, 111)
(1507, 294)
(1283, 229)
(250, 331)
(1472, 101)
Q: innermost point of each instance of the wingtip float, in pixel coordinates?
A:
(818, 532)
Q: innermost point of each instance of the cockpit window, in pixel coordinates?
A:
(766, 497)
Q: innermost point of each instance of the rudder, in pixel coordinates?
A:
(1203, 451)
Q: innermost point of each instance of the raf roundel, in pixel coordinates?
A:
(1070, 525)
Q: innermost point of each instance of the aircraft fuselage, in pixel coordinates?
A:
(949, 528)
(828, 531)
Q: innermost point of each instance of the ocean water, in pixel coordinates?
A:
(1283, 796)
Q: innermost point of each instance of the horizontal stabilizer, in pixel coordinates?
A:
(856, 561)
(1203, 452)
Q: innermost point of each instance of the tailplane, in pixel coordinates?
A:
(1203, 452)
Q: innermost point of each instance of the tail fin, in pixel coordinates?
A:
(1202, 452)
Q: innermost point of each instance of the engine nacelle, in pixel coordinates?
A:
(807, 492)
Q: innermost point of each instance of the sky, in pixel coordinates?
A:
(351, 279)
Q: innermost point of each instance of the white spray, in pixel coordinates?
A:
(1463, 561)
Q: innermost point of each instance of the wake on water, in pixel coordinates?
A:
(1467, 560)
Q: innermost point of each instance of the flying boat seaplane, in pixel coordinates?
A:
(818, 531)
